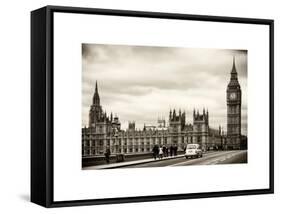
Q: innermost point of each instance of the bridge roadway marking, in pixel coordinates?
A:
(212, 155)
(224, 158)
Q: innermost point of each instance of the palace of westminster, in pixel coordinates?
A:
(104, 131)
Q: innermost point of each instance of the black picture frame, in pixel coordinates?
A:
(42, 94)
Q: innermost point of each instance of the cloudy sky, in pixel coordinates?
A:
(142, 83)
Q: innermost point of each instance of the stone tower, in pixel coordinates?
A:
(176, 126)
(233, 100)
(201, 128)
(96, 113)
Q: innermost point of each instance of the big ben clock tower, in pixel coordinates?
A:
(233, 99)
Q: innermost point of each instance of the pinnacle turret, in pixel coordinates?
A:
(96, 98)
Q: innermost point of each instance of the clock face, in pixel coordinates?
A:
(232, 96)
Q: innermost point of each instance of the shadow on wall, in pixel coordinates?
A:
(24, 197)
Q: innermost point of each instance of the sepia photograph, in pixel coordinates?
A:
(139, 106)
(150, 106)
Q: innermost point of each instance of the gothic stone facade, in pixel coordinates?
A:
(104, 131)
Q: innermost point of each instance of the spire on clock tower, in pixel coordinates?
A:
(233, 76)
(233, 70)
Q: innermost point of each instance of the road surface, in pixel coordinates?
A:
(220, 157)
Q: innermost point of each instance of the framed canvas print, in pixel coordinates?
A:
(130, 106)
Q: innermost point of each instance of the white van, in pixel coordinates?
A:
(193, 150)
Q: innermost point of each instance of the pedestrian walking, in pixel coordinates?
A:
(184, 149)
(164, 151)
(175, 150)
(155, 151)
(107, 154)
(167, 152)
(171, 150)
(160, 153)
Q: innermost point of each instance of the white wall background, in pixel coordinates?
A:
(15, 107)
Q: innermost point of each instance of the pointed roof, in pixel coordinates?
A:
(233, 70)
(96, 98)
(96, 88)
(234, 83)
